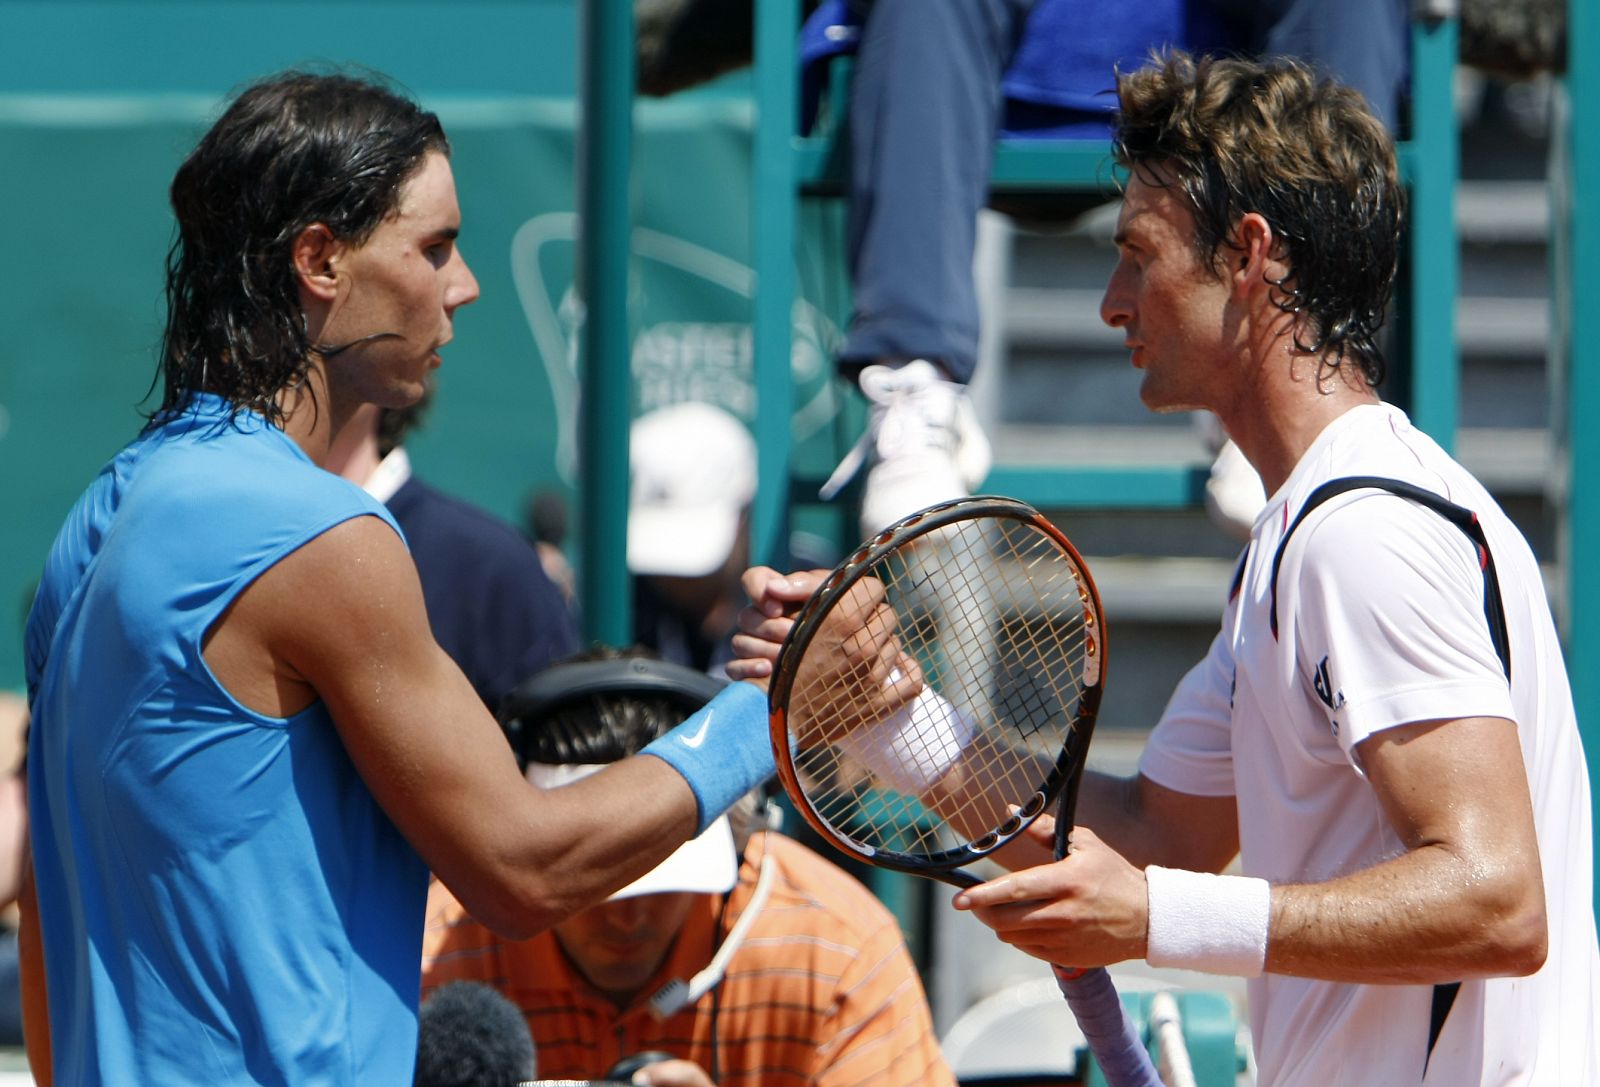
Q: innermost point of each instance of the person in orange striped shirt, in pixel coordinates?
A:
(766, 967)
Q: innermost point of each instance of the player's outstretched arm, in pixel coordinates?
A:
(344, 617)
(1464, 899)
(1144, 822)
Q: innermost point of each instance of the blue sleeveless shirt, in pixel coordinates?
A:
(221, 899)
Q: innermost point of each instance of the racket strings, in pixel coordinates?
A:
(995, 619)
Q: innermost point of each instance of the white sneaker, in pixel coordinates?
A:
(973, 455)
(922, 445)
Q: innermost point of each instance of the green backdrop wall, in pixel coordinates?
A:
(103, 99)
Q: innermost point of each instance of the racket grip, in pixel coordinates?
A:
(1116, 1046)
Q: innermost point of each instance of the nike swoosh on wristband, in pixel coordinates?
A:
(699, 736)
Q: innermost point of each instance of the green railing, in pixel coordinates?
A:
(1576, 373)
(605, 245)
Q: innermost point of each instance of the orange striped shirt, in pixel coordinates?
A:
(821, 992)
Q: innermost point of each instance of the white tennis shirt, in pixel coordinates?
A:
(1381, 623)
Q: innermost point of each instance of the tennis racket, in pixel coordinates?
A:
(936, 694)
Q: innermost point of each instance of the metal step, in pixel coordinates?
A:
(1172, 567)
(1498, 212)
(1505, 459)
(1160, 589)
(1067, 319)
(1053, 299)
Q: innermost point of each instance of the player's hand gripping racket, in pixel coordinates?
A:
(936, 693)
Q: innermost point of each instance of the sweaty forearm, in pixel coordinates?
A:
(550, 853)
(585, 840)
(1430, 915)
(1110, 805)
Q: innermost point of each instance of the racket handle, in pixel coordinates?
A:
(1116, 1046)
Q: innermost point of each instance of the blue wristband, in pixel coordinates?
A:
(723, 751)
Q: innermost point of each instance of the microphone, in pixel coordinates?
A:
(468, 1035)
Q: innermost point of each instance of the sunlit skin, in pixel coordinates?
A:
(1215, 337)
(287, 641)
(1194, 330)
(401, 286)
(394, 300)
(1467, 887)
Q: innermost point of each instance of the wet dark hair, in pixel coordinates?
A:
(1305, 153)
(291, 150)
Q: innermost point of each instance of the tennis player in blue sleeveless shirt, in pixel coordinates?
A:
(247, 750)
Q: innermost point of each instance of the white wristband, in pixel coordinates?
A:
(915, 746)
(1215, 924)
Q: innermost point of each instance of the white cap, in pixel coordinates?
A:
(706, 864)
(693, 473)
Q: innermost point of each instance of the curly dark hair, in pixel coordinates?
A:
(1304, 152)
(291, 150)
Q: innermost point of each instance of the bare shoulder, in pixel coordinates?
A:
(307, 608)
(357, 566)
(349, 559)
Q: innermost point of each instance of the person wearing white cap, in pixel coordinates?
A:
(693, 469)
(756, 964)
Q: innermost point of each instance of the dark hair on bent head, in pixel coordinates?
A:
(1305, 153)
(291, 150)
(600, 706)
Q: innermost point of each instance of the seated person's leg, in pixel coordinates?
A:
(1361, 43)
(924, 109)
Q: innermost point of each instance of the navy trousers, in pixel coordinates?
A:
(926, 103)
